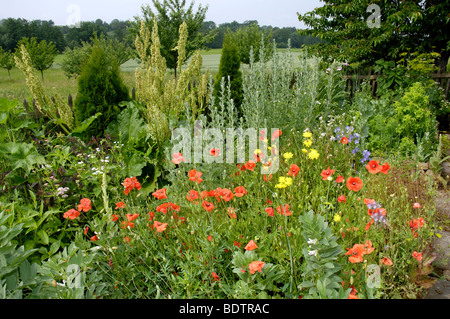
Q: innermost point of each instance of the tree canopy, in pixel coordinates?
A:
(349, 33)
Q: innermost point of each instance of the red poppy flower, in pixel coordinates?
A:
(353, 294)
(369, 224)
(417, 255)
(115, 217)
(160, 227)
(373, 167)
(385, 168)
(240, 191)
(267, 178)
(207, 206)
(120, 205)
(215, 276)
(251, 245)
(344, 140)
(250, 165)
(94, 238)
(192, 194)
(126, 224)
(270, 211)
(255, 266)
(341, 199)
(214, 152)
(284, 210)
(339, 179)
(130, 183)
(368, 247)
(164, 208)
(177, 158)
(151, 215)
(71, 214)
(209, 238)
(85, 231)
(276, 134)
(354, 183)
(160, 193)
(226, 194)
(386, 261)
(237, 244)
(195, 176)
(356, 253)
(417, 205)
(293, 170)
(326, 173)
(85, 205)
(131, 217)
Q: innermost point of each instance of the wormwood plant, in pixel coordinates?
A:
(165, 100)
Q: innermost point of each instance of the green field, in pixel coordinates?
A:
(14, 87)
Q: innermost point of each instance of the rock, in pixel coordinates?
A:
(440, 290)
(422, 166)
(445, 170)
(442, 247)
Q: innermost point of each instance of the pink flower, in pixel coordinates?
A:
(178, 158)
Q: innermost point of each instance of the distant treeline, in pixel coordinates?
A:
(13, 30)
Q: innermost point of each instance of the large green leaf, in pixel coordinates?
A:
(21, 155)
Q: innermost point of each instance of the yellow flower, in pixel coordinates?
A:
(307, 143)
(283, 182)
(307, 134)
(313, 154)
(304, 150)
(337, 218)
(257, 151)
(288, 155)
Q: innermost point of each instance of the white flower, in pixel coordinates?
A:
(312, 241)
(313, 252)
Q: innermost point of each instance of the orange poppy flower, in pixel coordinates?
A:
(284, 210)
(417, 255)
(356, 253)
(226, 194)
(250, 165)
(374, 167)
(326, 173)
(164, 208)
(385, 168)
(160, 227)
(341, 199)
(240, 191)
(115, 217)
(151, 215)
(94, 238)
(270, 211)
(344, 140)
(207, 206)
(267, 178)
(195, 176)
(369, 201)
(71, 214)
(215, 276)
(255, 266)
(369, 224)
(386, 261)
(177, 158)
(120, 205)
(294, 170)
(160, 193)
(354, 183)
(192, 194)
(251, 245)
(85, 205)
(368, 247)
(353, 294)
(339, 179)
(131, 217)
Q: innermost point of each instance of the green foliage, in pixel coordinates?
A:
(321, 268)
(74, 59)
(42, 54)
(170, 14)
(251, 37)
(6, 60)
(229, 70)
(348, 35)
(100, 90)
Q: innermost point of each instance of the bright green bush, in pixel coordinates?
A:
(100, 90)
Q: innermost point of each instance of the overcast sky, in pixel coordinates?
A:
(277, 13)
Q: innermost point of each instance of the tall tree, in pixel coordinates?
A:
(170, 14)
(42, 54)
(252, 37)
(6, 60)
(353, 31)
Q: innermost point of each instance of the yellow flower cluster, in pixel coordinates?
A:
(283, 182)
(312, 153)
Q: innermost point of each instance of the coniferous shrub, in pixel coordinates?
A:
(100, 90)
(230, 67)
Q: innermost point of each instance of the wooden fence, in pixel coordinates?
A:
(354, 81)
